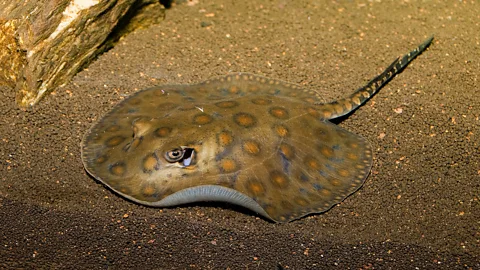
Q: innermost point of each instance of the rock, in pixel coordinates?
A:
(44, 43)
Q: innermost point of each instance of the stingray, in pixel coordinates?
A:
(260, 143)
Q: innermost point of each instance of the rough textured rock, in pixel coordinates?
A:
(45, 43)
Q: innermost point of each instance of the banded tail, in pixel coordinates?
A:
(346, 105)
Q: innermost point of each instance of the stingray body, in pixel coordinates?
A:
(244, 139)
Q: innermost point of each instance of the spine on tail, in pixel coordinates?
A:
(346, 105)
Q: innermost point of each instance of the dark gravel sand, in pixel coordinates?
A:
(419, 207)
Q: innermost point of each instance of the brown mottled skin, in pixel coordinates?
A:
(261, 143)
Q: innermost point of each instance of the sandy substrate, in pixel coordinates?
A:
(418, 208)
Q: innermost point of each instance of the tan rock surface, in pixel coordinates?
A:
(43, 44)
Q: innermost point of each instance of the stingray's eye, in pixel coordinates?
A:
(174, 155)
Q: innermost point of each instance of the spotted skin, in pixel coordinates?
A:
(258, 142)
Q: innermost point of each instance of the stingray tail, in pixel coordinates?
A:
(346, 105)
